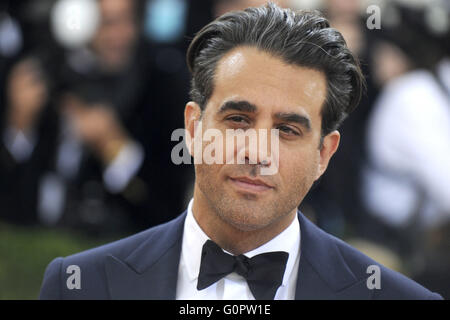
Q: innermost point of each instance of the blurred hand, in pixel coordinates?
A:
(97, 126)
(26, 93)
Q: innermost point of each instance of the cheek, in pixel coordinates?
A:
(205, 171)
(209, 176)
(298, 169)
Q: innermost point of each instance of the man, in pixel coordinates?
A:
(242, 236)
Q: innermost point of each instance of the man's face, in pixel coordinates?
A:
(116, 35)
(254, 90)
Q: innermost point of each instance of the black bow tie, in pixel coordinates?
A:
(264, 272)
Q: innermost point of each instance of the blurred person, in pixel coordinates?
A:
(23, 157)
(242, 236)
(406, 182)
(115, 108)
(104, 164)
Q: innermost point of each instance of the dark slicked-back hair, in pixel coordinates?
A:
(302, 38)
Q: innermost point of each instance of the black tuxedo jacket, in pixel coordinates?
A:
(145, 266)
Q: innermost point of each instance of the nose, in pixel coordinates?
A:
(257, 147)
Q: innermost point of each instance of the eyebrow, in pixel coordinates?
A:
(245, 106)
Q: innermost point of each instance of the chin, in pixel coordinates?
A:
(248, 219)
(245, 226)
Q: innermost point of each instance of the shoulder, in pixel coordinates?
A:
(392, 284)
(91, 264)
(121, 249)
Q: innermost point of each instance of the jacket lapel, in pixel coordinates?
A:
(151, 270)
(323, 272)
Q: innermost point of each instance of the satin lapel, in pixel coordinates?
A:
(323, 272)
(151, 270)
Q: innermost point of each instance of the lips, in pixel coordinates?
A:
(251, 185)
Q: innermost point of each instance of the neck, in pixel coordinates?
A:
(227, 236)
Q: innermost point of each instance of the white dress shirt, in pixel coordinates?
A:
(233, 286)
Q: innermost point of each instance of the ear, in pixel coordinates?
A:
(329, 147)
(192, 114)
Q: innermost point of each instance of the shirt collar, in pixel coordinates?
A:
(194, 238)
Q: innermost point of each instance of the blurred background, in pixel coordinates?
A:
(91, 91)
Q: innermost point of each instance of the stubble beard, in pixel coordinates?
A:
(246, 212)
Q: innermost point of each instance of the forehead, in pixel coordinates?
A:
(266, 81)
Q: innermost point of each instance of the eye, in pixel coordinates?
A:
(288, 130)
(238, 119)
